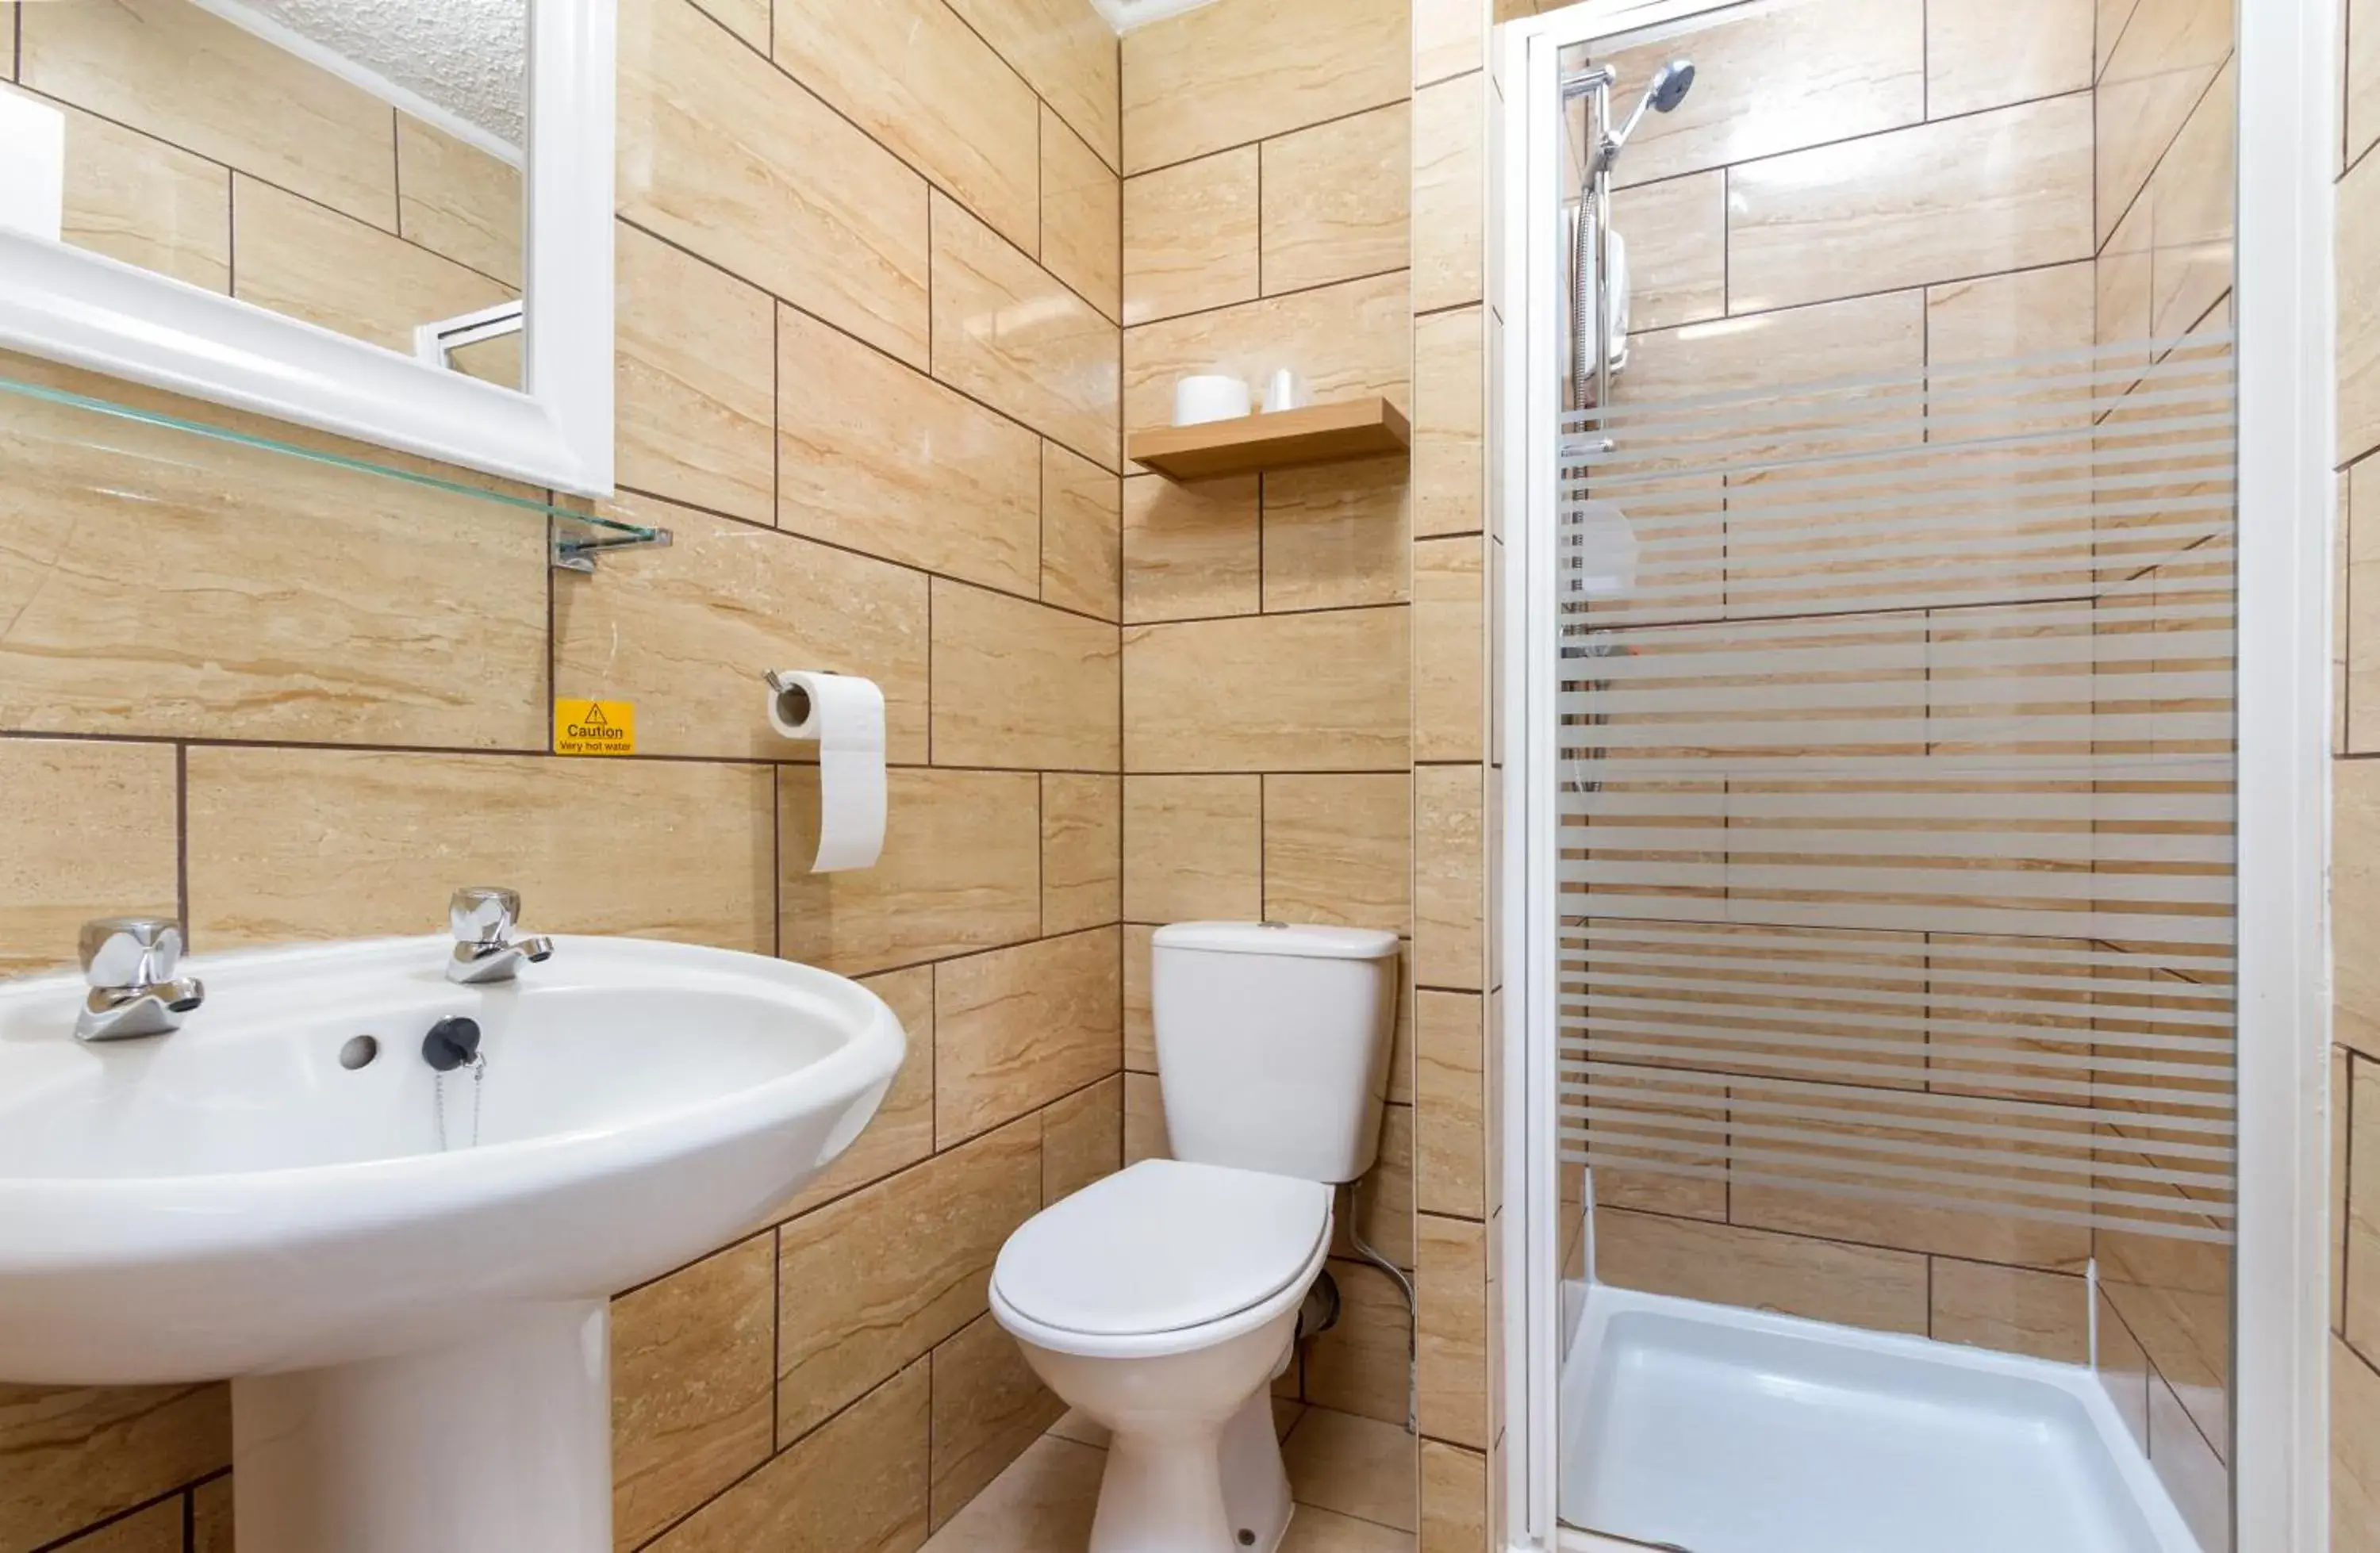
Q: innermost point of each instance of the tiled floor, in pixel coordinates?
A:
(1354, 1480)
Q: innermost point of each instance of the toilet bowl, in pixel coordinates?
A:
(1162, 1301)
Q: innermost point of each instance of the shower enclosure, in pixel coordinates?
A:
(1879, 826)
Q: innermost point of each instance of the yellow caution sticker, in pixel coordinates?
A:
(594, 727)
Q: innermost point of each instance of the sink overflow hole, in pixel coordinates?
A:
(358, 1053)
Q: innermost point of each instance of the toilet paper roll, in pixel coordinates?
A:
(846, 715)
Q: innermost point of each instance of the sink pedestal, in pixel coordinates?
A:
(500, 1443)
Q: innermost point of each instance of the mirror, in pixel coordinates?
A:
(322, 208)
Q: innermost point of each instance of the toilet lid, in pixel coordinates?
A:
(1162, 1246)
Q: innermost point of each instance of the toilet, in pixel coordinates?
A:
(1163, 1301)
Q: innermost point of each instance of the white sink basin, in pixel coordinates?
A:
(231, 1200)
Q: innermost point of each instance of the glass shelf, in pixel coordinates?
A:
(84, 439)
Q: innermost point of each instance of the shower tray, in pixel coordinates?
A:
(1711, 1429)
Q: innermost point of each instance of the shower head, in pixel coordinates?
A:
(1662, 94)
(1671, 84)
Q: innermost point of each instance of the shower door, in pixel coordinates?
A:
(1880, 413)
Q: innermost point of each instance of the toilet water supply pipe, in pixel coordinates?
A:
(1404, 1286)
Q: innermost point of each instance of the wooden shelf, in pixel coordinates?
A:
(1318, 434)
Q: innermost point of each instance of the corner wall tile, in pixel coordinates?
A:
(1363, 1365)
(1450, 37)
(2355, 905)
(1081, 217)
(960, 871)
(1355, 1466)
(693, 1385)
(872, 455)
(1450, 1151)
(1082, 1139)
(989, 1406)
(1335, 535)
(2359, 1317)
(1449, 413)
(1139, 1020)
(1017, 1028)
(871, 1283)
(1192, 848)
(1007, 333)
(859, 1482)
(1453, 1500)
(1191, 236)
(2354, 1439)
(920, 81)
(1224, 76)
(2013, 1310)
(723, 155)
(1020, 684)
(1069, 53)
(1451, 1365)
(1082, 534)
(1081, 851)
(1449, 191)
(1339, 850)
(1449, 899)
(1190, 551)
(1449, 650)
(1144, 1119)
(901, 1132)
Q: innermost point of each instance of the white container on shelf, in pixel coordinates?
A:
(1209, 396)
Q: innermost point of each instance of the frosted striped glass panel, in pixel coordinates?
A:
(1896, 787)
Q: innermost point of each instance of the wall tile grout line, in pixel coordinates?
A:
(1261, 297)
(769, 57)
(1283, 134)
(859, 339)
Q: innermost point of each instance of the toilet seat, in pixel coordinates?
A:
(1163, 1257)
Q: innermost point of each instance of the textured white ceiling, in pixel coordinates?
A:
(470, 57)
(1126, 15)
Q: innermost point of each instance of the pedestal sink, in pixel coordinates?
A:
(406, 1274)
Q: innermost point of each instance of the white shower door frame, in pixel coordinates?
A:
(2284, 309)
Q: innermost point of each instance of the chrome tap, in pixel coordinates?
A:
(130, 963)
(485, 949)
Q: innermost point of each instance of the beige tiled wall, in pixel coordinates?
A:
(1269, 626)
(868, 361)
(2355, 857)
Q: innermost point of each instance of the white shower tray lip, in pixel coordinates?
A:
(1828, 1365)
